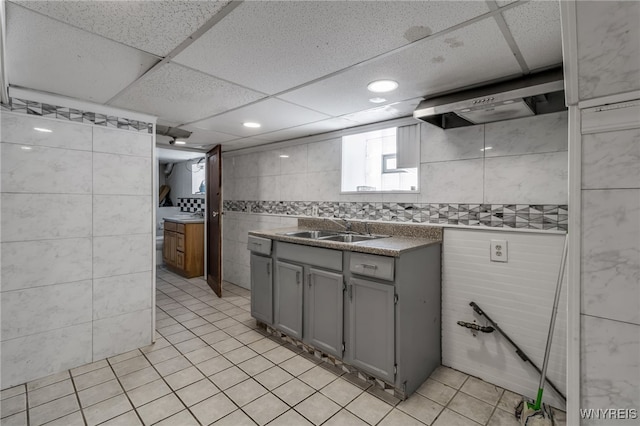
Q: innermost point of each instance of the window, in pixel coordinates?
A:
(197, 178)
(370, 161)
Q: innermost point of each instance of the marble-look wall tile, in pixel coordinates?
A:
(461, 143)
(35, 310)
(268, 188)
(121, 174)
(246, 188)
(611, 254)
(39, 355)
(294, 187)
(269, 163)
(530, 135)
(27, 217)
(611, 160)
(296, 162)
(122, 254)
(526, 179)
(57, 261)
(121, 294)
(324, 186)
(45, 170)
(20, 129)
(116, 335)
(400, 198)
(324, 156)
(246, 165)
(610, 371)
(116, 141)
(451, 182)
(608, 47)
(121, 214)
(229, 189)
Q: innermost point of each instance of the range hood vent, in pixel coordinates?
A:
(534, 94)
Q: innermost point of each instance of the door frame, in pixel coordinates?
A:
(210, 232)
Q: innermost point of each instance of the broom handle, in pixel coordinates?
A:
(552, 323)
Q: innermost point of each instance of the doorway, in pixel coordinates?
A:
(213, 219)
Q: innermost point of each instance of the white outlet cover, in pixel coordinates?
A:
(499, 251)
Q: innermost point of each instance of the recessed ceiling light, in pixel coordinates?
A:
(40, 129)
(251, 124)
(377, 100)
(26, 148)
(284, 156)
(382, 86)
(181, 143)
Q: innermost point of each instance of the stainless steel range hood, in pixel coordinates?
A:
(539, 93)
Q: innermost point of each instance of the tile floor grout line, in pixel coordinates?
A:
(123, 390)
(75, 390)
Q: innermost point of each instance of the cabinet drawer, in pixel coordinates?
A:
(169, 226)
(180, 228)
(314, 256)
(180, 242)
(372, 266)
(180, 260)
(259, 245)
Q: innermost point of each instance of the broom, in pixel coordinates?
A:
(536, 413)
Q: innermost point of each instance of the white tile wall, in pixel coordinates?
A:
(72, 220)
(452, 181)
(611, 160)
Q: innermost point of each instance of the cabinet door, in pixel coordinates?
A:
(172, 248)
(261, 288)
(371, 327)
(323, 311)
(288, 293)
(179, 260)
(180, 242)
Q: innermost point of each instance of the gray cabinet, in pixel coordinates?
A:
(371, 327)
(288, 298)
(262, 288)
(323, 311)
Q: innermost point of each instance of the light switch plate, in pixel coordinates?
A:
(499, 252)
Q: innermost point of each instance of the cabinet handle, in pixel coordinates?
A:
(309, 279)
(298, 277)
(367, 266)
(268, 269)
(350, 291)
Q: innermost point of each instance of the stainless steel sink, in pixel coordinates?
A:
(310, 234)
(353, 238)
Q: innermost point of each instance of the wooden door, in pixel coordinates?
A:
(213, 216)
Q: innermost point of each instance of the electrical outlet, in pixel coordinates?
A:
(314, 210)
(499, 251)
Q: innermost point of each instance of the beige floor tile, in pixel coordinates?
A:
(18, 419)
(53, 410)
(160, 343)
(51, 392)
(13, 405)
(345, 418)
(436, 391)
(183, 378)
(212, 409)
(200, 355)
(369, 408)
(160, 409)
(471, 407)
(245, 392)
(317, 377)
(263, 345)
(46, 381)
(215, 337)
(451, 418)
(503, 418)
(130, 418)
(278, 354)
(341, 391)
(89, 367)
(317, 408)
(229, 377)
(296, 365)
(290, 418)
(99, 393)
(204, 329)
(227, 322)
(93, 378)
(227, 345)
(14, 391)
(107, 409)
(398, 418)
(191, 345)
(237, 330)
(214, 365)
(129, 366)
(249, 337)
(181, 336)
(482, 390)
(293, 392)
(73, 419)
(265, 409)
(255, 365)
(139, 378)
(217, 316)
(509, 401)
(449, 376)
(273, 377)
(198, 391)
(421, 408)
(172, 365)
(149, 392)
(193, 323)
(239, 355)
(237, 418)
(123, 357)
(162, 354)
(183, 418)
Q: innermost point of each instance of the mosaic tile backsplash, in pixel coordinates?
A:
(191, 205)
(552, 217)
(64, 113)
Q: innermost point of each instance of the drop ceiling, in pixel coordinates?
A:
(298, 68)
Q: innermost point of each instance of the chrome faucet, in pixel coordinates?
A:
(347, 225)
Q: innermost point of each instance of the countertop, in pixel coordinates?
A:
(184, 219)
(391, 246)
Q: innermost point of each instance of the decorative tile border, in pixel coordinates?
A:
(552, 217)
(191, 205)
(78, 116)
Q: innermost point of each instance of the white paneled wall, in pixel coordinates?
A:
(76, 244)
(517, 295)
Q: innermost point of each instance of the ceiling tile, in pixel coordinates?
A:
(535, 27)
(44, 54)
(153, 26)
(272, 114)
(503, 3)
(206, 137)
(467, 56)
(385, 112)
(243, 143)
(311, 129)
(271, 46)
(176, 93)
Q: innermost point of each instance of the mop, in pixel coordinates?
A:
(536, 413)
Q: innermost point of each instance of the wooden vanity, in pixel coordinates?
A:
(183, 249)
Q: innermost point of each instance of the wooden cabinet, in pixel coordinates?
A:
(183, 248)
